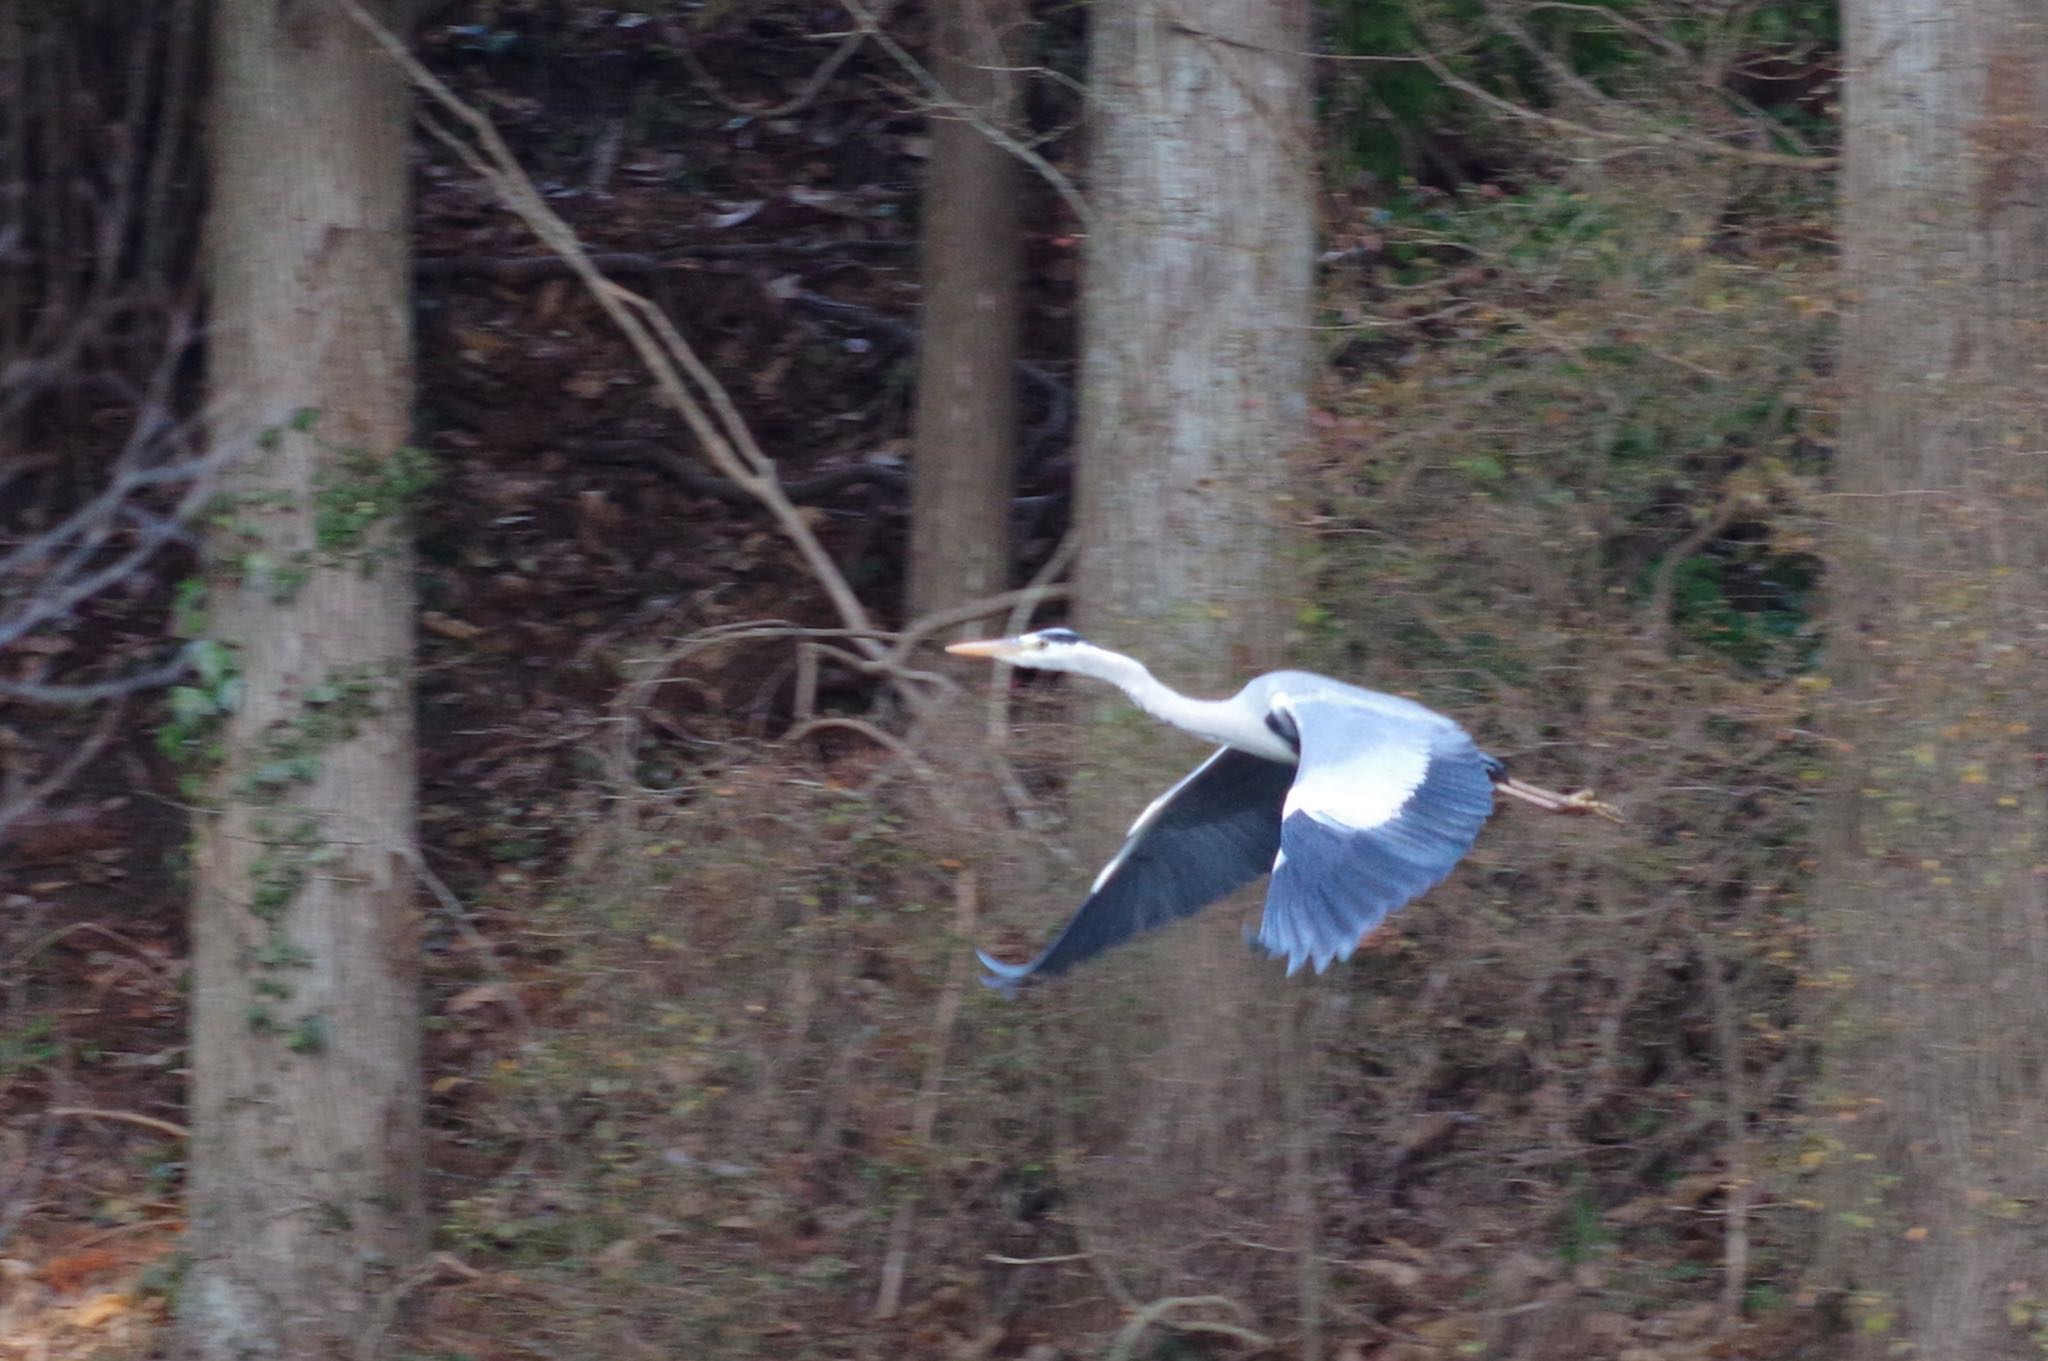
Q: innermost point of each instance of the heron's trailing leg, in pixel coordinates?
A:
(1579, 801)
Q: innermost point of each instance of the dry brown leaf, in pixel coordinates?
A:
(68, 1271)
(99, 1310)
(436, 622)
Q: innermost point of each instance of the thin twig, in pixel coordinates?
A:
(1052, 570)
(487, 956)
(878, 737)
(16, 803)
(805, 96)
(149, 1122)
(924, 1115)
(1664, 582)
(1159, 1313)
(15, 1204)
(43, 943)
(685, 382)
(1023, 806)
(96, 692)
(945, 105)
(1661, 136)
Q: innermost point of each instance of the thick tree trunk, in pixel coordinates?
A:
(1194, 390)
(1935, 919)
(1195, 324)
(964, 462)
(305, 1169)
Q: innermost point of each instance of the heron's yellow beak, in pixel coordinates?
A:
(995, 649)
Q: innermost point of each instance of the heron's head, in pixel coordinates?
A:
(1045, 649)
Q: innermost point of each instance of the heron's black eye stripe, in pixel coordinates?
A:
(1058, 636)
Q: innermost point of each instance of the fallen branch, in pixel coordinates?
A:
(1159, 1314)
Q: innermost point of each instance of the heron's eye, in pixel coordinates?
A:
(1033, 643)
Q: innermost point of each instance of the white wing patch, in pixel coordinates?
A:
(1359, 784)
(1388, 797)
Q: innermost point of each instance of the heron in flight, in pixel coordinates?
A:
(1354, 801)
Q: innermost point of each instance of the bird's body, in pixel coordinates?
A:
(1354, 801)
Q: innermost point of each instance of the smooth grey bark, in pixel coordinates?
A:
(304, 1191)
(1933, 900)
(1196, 359)
(1195, 324)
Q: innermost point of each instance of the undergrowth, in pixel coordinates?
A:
(1564, 491)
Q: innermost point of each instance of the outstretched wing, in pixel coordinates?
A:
(1389, 797)
(1215, 831)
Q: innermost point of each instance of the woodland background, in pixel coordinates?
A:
(707, 1073)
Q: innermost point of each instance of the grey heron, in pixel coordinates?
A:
(1354, 801)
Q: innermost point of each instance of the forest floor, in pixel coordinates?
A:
(697, 998)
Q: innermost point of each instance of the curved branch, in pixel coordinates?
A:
(805, 96)
(683, 379)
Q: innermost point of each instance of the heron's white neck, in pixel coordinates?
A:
(1229, 722)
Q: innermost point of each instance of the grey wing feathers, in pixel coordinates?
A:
(1215, 831)
(1387, 802)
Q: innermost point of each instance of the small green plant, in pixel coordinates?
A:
(191, 736)
(1753, 606)
(30, 1046)
(1582, 1233)
(331, 712)
(362, 491)
(308, 1035)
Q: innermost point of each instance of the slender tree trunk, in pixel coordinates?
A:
(305, 1170)
(963, 469)
(1196, 358)
(1934, 915)
(966, 442)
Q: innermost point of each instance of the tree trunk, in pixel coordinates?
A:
(305, 1201)
(1934, 918)
(1196, 358)
(964, 463)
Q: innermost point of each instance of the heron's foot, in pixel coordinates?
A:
(1550, 801)
(1583, 801)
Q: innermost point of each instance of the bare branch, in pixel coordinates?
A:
(96, 692)
(1641, 137)
(149, 1122)
(70, 560)
(945, 106)
(805, 96)
(682, 378)
(17, 802)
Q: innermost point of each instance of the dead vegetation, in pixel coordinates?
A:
(710, 1074)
